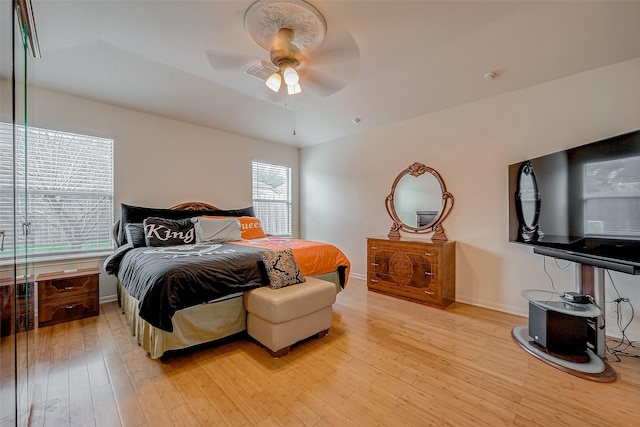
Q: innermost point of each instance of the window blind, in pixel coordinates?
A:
(64, 190)
(272, 197)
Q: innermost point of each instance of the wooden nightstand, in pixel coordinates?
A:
(67, 295)
(25, 319)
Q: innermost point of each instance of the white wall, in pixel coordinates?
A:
(160, 162)
(344, 182)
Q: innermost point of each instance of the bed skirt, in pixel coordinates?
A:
(191, 326)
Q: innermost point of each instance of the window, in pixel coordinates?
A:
(272, 197)
(67, 192)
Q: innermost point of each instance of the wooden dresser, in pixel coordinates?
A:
(413, 269)
(67, 295)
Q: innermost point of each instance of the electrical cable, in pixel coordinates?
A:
(623, 345)
(544, 267)
(613, 283)
(570, 263)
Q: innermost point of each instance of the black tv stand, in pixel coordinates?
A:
(590, 363)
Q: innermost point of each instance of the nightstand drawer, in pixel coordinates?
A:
(15, 316)
(66, 309)
(65, 288)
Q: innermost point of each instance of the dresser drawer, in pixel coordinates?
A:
(416, 251)
(67, 287)
(66, 309)
(404, 271)
(429, 294)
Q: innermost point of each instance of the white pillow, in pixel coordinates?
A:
(213, 230)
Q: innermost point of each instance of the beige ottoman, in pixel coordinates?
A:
(278, 318)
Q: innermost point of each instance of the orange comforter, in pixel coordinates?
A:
(313, 258)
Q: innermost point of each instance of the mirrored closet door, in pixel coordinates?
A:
(17, 323)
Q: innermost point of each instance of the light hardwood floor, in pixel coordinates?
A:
(385, 362)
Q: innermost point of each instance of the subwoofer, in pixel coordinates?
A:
(557, 332)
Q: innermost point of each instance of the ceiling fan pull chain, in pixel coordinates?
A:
(294, 116)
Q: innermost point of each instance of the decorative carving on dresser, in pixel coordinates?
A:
(414, 269)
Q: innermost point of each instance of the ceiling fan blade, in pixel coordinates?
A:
(332, 65)
(339, 47)
(331, 56)
(321, 83)
(227, 61)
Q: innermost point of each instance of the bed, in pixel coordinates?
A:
(180, 296)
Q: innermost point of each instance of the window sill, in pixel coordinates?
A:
(59, 259)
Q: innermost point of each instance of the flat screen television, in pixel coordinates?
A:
(581, 204)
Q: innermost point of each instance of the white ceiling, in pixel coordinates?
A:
(394, 60)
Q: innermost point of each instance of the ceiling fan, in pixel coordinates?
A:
(287, 57)
(291, 31)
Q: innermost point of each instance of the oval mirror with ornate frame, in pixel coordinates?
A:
(419, 202)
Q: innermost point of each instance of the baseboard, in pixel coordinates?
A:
(490, 306)
(357, 276)
(108, 298)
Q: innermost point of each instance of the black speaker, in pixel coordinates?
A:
(557, 332)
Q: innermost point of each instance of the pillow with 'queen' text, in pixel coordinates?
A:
(250, 227)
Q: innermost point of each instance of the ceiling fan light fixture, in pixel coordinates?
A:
(290, 76)
(294, 89)
(274, 81)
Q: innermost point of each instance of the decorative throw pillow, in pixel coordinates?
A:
(135, 234)
(282, 268)
(250, 227)
(216, 230)
(169, 232)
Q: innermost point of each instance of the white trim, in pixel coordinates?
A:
(357, 276)
(108, 298)
(59, 259)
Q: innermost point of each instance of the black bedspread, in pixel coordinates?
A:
(166, 279)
